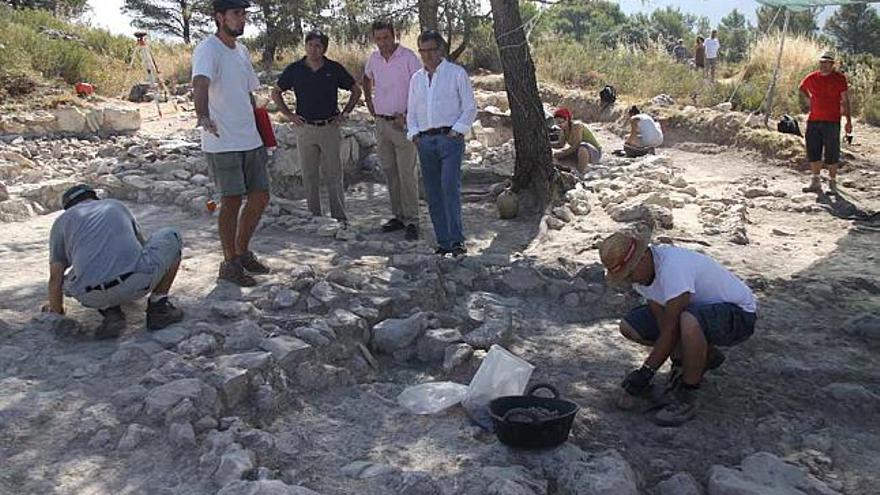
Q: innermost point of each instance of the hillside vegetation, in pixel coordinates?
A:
(37, 48)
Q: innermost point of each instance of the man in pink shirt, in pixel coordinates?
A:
(386, 88)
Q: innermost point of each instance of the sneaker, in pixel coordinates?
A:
(442, 251)
(832, 186)
(250, 263)
(458, 249)
(681, 408)
(232, 271)
(815, 186)
(412, 232)
(393, 225)
(162, 313)
(112, 325)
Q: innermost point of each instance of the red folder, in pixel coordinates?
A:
(264, 127)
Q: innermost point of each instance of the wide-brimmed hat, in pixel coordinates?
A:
(827, 57)
(621, 252)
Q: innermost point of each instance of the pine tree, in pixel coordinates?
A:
(733, 33)
(178, 18)
(855, 29)
(800, 22)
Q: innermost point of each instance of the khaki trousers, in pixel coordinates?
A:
(318, 148)
(398, 156)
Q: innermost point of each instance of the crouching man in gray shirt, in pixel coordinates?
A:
(110, 262)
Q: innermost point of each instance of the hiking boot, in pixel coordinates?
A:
(393, 225)
(442, 251)
(681, 408)
(458, 249)
(815, 186)
(412, 232)
(112, 325)
(250, 263)
(162, 313)
(832, 186)
(232, 271)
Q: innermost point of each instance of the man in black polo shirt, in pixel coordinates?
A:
(315, 80)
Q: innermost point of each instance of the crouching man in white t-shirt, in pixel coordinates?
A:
(694, 305)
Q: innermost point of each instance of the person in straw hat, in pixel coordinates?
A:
(694, 304)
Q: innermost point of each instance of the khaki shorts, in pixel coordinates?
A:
(239, 172)
(161, 251)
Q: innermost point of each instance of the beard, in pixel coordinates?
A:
(233, 32)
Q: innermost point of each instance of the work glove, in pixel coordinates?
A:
(637, 381)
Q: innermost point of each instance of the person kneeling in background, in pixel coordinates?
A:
(578, 143)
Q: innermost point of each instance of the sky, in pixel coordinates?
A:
(107, 14)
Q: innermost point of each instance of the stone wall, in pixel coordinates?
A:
(71, 121)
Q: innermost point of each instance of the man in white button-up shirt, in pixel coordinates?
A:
(440, 111)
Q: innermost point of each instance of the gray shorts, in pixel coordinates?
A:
(239, 172)
(160, 253)
(723, 324)
(595, 153)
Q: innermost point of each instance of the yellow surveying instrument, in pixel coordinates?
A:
(142, 52)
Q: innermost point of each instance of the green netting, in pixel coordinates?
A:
(806, 4)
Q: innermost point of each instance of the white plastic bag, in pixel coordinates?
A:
(500, 374)
(432, 397)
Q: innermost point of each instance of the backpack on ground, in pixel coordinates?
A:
(789, 125)
(608, 95)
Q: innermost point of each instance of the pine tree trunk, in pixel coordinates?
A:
(534, 160)
(428, 13)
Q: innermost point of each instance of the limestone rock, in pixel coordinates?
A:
(134, 435)
(764, 474)
(202, 344)
(679, 484)
(850, 396)
(234, 463)
(232, 383)
(606, 474)
(121, 120)
(182, 435)
(234, 309)
(171, 336)
(456, 355)
(366, 469)
(394, 333)
(288, 351)
(495, 331)
(244, 335)
(164, 397)
(432, 346)
(264, 487)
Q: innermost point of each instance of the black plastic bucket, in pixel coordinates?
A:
(533, 422)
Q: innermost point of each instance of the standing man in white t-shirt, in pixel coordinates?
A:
(712, 46)
(694, 305)
(223, 80)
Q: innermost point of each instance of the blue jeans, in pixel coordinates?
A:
(440, 157)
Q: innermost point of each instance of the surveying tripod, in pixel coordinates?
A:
(142, 52)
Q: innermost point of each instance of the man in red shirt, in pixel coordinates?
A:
(825, 88)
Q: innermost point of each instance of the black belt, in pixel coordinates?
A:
(321, 123)
(436, 131)
(113, 283)
(386, 117)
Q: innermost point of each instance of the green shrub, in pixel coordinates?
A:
(871, 111)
